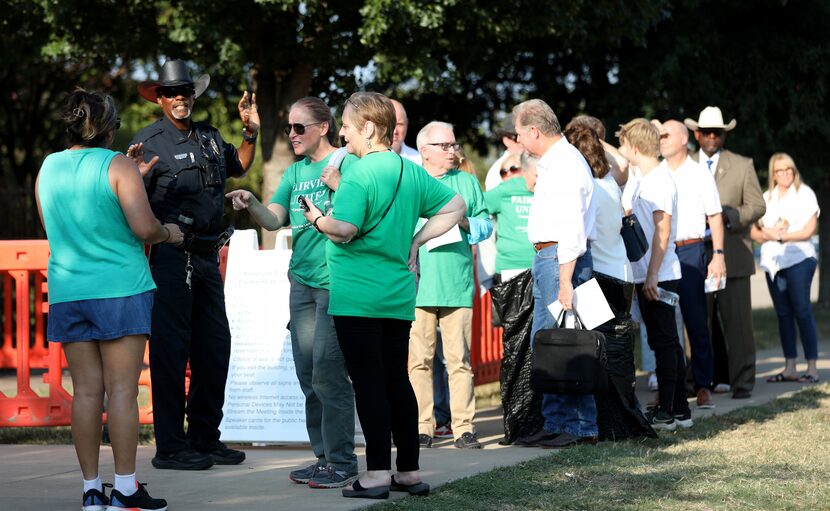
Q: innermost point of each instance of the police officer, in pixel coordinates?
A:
(186, 186)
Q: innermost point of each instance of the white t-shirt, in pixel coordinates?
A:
(411, 154)
(796, 208)
(697, 198)
(493, 178)
(656, 192)
(608, 250)
(630, 187)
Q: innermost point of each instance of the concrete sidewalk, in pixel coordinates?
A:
(33, 478)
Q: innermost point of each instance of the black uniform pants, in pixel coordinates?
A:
(188, 324)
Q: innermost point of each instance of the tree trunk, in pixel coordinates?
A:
(276, 90)
(823, 193)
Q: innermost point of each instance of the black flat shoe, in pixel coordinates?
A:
(186, 459)
(419, 489)
(359, 492)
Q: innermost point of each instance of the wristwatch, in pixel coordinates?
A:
(717, 251)
(249, 138)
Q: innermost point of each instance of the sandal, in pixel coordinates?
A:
(420, 489)
(780, 378)
(358, 491)
(808, 378)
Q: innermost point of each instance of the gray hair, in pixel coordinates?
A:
(537, 113)
(527, 160)
(423, 135)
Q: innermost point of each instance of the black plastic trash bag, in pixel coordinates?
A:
(618, 411)
(522, 406)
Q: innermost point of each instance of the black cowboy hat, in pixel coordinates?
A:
(173, 73)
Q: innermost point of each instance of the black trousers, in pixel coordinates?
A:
(662, 338)
(377, 353)
(188, 324)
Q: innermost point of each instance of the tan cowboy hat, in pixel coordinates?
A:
(712, 118)
(173, 73)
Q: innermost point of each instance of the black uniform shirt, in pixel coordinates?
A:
(188, 181)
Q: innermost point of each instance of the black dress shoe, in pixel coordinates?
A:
(186, 459)
(568, 440)
(741, 394)
(533, 440)
(224, 455)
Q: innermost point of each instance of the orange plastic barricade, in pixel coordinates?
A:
(487, 348)
(23, 263)
(23, 266)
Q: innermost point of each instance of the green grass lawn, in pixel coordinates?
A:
(775, 457)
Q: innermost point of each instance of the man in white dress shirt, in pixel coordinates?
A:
(698, 201)
(399, 135)
(560, 225)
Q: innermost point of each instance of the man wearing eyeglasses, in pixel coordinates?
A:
(186, 186)
(743, 205)
(445, 295)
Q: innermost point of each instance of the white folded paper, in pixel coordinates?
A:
(590, 303)
(448, 238)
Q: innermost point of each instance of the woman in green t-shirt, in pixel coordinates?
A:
(372, 259)
(317, 357)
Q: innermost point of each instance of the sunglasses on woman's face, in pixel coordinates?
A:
(512, 168)
(298, 128)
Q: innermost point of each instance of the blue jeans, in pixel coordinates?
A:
(573, 414)
(440, 385)
(790, 293)
(321, 370)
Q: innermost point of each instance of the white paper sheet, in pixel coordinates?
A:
(449, 237)
(591, 304)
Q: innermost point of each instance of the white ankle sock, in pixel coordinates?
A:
(125, 484)
(93, 484)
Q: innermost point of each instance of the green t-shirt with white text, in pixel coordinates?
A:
(370, 276)
(308, 258)
(509, 202)
(447, 271)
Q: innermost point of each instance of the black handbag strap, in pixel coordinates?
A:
(400, 176)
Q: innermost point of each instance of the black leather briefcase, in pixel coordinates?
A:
(568, 360)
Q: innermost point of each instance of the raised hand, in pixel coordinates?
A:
(136, 153)
(248, 112)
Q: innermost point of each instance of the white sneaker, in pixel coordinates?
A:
(722, 388)
(652, 382)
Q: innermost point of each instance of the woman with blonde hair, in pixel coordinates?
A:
(789, 259)
(372, 260)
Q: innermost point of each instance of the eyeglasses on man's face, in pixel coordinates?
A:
(446, 146)
(175, 91)
(711, 132)
(298, 128)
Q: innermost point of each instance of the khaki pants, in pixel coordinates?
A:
(456, 332)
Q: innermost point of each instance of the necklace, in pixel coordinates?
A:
(379, 150)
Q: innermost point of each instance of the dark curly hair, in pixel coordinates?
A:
(587, 141)
(90, 118)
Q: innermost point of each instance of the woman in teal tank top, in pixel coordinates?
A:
(97, 217)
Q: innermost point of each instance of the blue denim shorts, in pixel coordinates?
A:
(100, 319)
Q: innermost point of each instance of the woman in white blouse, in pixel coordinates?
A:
(789, 259)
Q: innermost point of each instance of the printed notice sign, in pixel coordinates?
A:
(263, 400)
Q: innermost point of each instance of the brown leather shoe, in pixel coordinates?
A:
(704, 399)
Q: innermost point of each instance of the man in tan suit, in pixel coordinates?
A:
(742, 203)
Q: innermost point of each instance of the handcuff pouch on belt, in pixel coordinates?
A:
(203, 244)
